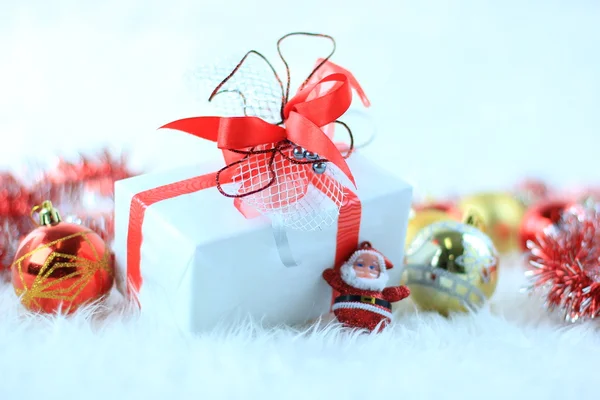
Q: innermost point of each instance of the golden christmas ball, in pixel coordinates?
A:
(451, 267)
(420, 219)
(502, 214)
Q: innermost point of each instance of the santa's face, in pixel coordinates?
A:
(366, 266)
(365, 270)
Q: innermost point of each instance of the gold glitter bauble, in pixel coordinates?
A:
(420, 219)
(501, 213)
(451, 266)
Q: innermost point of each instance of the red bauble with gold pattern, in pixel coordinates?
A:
(60, 266)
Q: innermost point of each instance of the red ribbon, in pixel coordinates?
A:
(137, 211)
(304, 115)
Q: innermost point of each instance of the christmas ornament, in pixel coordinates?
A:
(60, 266)
(540, 217)
(363, 300)
(565, 264)
(451, 266)
(502, 214)
(420, 219)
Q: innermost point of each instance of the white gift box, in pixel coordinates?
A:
(204, 264)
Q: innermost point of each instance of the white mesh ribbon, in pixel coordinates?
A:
(270, 179)
(252, 91)
(293, 193)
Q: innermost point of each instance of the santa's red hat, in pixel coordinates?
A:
(368, 248)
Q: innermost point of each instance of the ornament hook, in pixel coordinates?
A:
(47, 214)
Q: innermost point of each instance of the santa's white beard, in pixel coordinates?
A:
(349, 276)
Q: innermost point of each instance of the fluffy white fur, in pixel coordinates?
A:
(444, 77)
(511, 350)
(348, 273)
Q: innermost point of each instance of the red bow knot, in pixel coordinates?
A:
(311, 109)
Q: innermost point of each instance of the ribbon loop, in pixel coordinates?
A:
(328, 67)
(230, 133)
(326, 107)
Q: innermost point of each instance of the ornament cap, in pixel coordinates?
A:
(474, 218)
(47, 214)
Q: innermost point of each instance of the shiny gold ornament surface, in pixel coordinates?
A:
(420, 219)
(60, 266)
(451, 267)
(502, 214)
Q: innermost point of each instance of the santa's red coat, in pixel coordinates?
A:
(363, 315)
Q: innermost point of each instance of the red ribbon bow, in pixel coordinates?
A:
(311, 109)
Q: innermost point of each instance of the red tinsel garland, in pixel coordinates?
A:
(15, 205)
(565, 264)
(65, 184)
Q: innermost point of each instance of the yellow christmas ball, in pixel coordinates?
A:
(451, 267)
(501, 214)
(420, 219)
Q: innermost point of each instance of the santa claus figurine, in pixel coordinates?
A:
(364, 301)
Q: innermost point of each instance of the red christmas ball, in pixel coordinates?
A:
(539, 217)
(60, 266)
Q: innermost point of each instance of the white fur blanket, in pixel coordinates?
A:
(512, 350)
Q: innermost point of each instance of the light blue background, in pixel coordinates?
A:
(467, 95)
